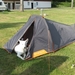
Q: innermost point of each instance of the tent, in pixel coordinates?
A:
(44, 36)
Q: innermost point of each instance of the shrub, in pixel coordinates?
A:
(61, 4)
(64, 4)
(55, 3)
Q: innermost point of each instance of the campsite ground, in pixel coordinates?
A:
(58, 63)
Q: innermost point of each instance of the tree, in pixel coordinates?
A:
(21, 5)
(72, 3)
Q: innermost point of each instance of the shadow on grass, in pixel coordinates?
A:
(10, 64)
(10, 25)
(6, 11)
(42, 67)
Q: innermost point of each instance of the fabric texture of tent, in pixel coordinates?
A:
(44, 36)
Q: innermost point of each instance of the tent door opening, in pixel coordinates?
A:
(29, 34)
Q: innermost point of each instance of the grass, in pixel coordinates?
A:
(58, 63)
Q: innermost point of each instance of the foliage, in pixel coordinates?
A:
(64, 4)
(55, 3)
(62, 0)
(58, 3)
(61, 4)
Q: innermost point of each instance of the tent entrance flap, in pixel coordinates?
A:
(29, 33)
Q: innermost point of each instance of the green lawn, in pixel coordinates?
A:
(58, 63)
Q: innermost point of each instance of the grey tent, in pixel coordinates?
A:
(44, 36)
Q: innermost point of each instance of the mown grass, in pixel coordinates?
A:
(58, 63)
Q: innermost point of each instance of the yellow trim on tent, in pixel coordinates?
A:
(39, 53)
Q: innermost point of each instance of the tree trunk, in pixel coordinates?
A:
(21, 5)
(72, 3)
